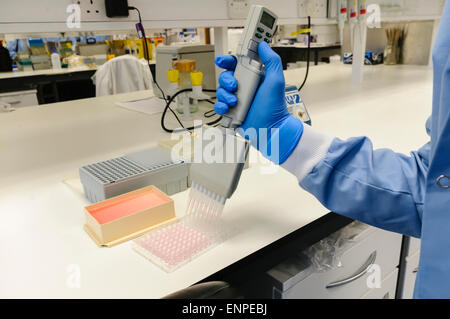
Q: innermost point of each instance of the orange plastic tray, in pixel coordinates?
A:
(127, 216)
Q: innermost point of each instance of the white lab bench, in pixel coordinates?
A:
(43, 244)
(21, 74)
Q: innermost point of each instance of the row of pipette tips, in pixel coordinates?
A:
(204, 204)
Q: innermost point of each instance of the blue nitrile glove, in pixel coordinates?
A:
(268, 110)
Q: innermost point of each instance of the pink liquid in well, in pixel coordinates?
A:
(126, 206)
(175, 243)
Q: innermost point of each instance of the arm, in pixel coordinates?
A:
(381, 187)
(378, 187)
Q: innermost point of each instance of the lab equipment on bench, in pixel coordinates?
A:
(183, 76)
(357, 17)
(395, 37)
(173, 75)
(153, 166)
(56, 61)
(185, 105)
(39, 55)
(202, 54)
(295, 104)
(197, 89)
(352, 20)
(342, 17)
(180, 241)
(359, 42)
(128, 216)
(197, 86)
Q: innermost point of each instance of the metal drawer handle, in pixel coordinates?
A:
(362, 272)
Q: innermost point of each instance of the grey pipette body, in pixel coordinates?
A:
(223, 178)
(259, 26)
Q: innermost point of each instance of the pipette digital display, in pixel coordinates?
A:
(260, 26)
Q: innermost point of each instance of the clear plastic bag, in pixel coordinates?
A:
(326, 254)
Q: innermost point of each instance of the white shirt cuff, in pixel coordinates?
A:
(311, 149)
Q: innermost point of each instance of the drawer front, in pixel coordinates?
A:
(413, 246)
(20, 99)
(384, 245)
(387, 289)
(411, 268)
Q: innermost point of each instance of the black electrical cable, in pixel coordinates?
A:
(147, 53)
(168, 102)
(209, 114)
(308, 54)
(172, 98)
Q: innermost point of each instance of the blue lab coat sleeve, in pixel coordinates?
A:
(405, 194)
(378, 187)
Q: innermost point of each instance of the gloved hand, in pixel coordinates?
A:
(268, 110)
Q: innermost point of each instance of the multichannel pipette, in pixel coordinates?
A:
(219, 180)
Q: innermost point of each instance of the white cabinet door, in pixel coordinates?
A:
(20, 98)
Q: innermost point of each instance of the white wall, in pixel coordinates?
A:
(50, 15)
(399, 8)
